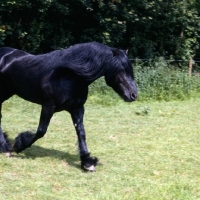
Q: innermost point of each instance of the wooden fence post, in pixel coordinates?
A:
(190, 67)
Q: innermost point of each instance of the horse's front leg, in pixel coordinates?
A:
(26, 139)
(4, 144)
(87, 163)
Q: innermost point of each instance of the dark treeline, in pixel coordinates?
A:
(148, 28)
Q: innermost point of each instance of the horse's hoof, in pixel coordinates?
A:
(90, 169)
(22, 141)
(88, 163)
(8, 154)
(15, 148)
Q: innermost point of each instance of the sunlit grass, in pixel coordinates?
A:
(146, 151)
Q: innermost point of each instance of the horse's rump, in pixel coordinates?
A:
(8, 56)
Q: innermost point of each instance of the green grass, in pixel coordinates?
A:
(146, 151)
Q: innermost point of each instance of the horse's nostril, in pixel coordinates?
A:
(133, 96)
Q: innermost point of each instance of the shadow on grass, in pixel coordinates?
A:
(36, 151)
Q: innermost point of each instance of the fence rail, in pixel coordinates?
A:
(137, 59)
(191, 62)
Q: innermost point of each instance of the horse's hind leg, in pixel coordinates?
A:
(26, 139)
(6, 91)
(4, 144)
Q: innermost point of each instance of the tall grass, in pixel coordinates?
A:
(157, 80)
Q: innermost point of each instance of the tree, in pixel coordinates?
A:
(148, 28)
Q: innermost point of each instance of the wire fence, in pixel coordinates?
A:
(137, 59)
(191, 64)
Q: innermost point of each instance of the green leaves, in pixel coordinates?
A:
(148, 28)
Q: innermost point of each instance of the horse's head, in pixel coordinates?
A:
(120, 77)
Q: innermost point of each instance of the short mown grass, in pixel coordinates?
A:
(146, 151)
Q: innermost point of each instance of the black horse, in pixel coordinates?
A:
(59, 81)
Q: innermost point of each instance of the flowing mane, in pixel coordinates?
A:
(88, 60)
(92, 60)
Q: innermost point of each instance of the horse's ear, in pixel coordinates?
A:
(116, 52)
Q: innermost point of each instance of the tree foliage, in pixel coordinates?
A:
(147, 27)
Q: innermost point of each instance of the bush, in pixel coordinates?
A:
(162, 81)
(159, 81)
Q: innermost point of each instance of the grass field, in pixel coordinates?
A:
(147, 151)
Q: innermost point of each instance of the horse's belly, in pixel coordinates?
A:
(32, 97)
(28, 91)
